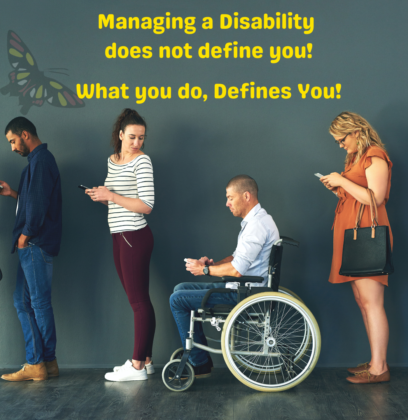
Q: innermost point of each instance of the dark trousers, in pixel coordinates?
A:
(131, 252)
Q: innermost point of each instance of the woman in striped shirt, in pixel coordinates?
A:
(129, 194)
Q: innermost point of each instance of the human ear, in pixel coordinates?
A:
(25, 135)
(120, 135)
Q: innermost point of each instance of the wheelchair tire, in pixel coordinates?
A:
(178, 354)
(255, 367)
(286, 291)
(178, 385)
(290, 338)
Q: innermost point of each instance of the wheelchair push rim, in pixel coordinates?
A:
(256, 367)
(276, 334)
(289, 292)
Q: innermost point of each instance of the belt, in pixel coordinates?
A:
(342, 195)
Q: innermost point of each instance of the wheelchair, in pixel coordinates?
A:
(270, 340)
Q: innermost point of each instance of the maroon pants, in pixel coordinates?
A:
(131, 252)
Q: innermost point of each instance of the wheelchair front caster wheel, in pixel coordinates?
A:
(177, 384)
(178, 354)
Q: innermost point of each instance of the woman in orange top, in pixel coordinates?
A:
(367, 166)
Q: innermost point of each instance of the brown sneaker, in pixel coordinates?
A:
(28, 373)
(52, 368)
(366, 377)
(359, 368)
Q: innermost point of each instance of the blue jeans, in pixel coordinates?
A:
(32, 299)
(188, 297)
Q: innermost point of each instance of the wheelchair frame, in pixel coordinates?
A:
(246, 295)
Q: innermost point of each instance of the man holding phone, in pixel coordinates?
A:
(250, 258)
(36, 239)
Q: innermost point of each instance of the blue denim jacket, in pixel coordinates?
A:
(39, 203)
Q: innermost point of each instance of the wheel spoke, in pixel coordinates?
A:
(280, 351)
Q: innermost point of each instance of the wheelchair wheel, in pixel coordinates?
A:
(271, 342)
(178, 354)
(286, 291)
(181, 384)
(304, 344)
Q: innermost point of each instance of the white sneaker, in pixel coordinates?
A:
(149, 368)
(126, 373)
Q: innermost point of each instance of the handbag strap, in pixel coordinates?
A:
(373, 212)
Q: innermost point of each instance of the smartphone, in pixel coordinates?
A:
(1, 187)
(318, 175)
(83, 187)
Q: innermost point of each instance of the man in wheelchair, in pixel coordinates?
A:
(250, 258)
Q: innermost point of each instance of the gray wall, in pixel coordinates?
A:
(196, 147)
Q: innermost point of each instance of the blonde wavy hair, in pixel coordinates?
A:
(349, 122)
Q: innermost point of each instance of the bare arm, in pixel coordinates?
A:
(225, 269)
(225, 260)
(377, 180)
(207, 261)
(218, 269)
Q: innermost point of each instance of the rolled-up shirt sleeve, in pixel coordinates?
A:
(249, 246)
(38, 198)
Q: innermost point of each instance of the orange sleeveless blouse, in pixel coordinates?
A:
(347, 208)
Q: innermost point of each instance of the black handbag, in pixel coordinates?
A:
(367, 251)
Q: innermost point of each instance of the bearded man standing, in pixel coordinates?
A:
(36, 239)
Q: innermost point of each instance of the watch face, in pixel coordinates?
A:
(206, 271)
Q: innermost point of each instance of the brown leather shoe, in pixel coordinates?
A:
(362, 367)
(52, 368)
(359, 368)
(366, 377)
(28, 373)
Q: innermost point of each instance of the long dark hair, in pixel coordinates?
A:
(127, 117)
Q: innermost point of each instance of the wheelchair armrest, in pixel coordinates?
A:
(242, 280)
(209, 293)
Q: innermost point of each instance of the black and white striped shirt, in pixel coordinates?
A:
(133, 179)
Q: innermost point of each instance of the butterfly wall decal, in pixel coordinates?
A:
(30, 84)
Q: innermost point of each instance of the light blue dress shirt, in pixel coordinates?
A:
(251, 257)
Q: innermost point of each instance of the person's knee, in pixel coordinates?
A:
(371, 304)
(173, 300)
(179, 287)
(42, 302)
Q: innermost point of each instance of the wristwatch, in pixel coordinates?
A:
(206, 270)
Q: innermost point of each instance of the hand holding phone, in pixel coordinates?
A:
(319, 176)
